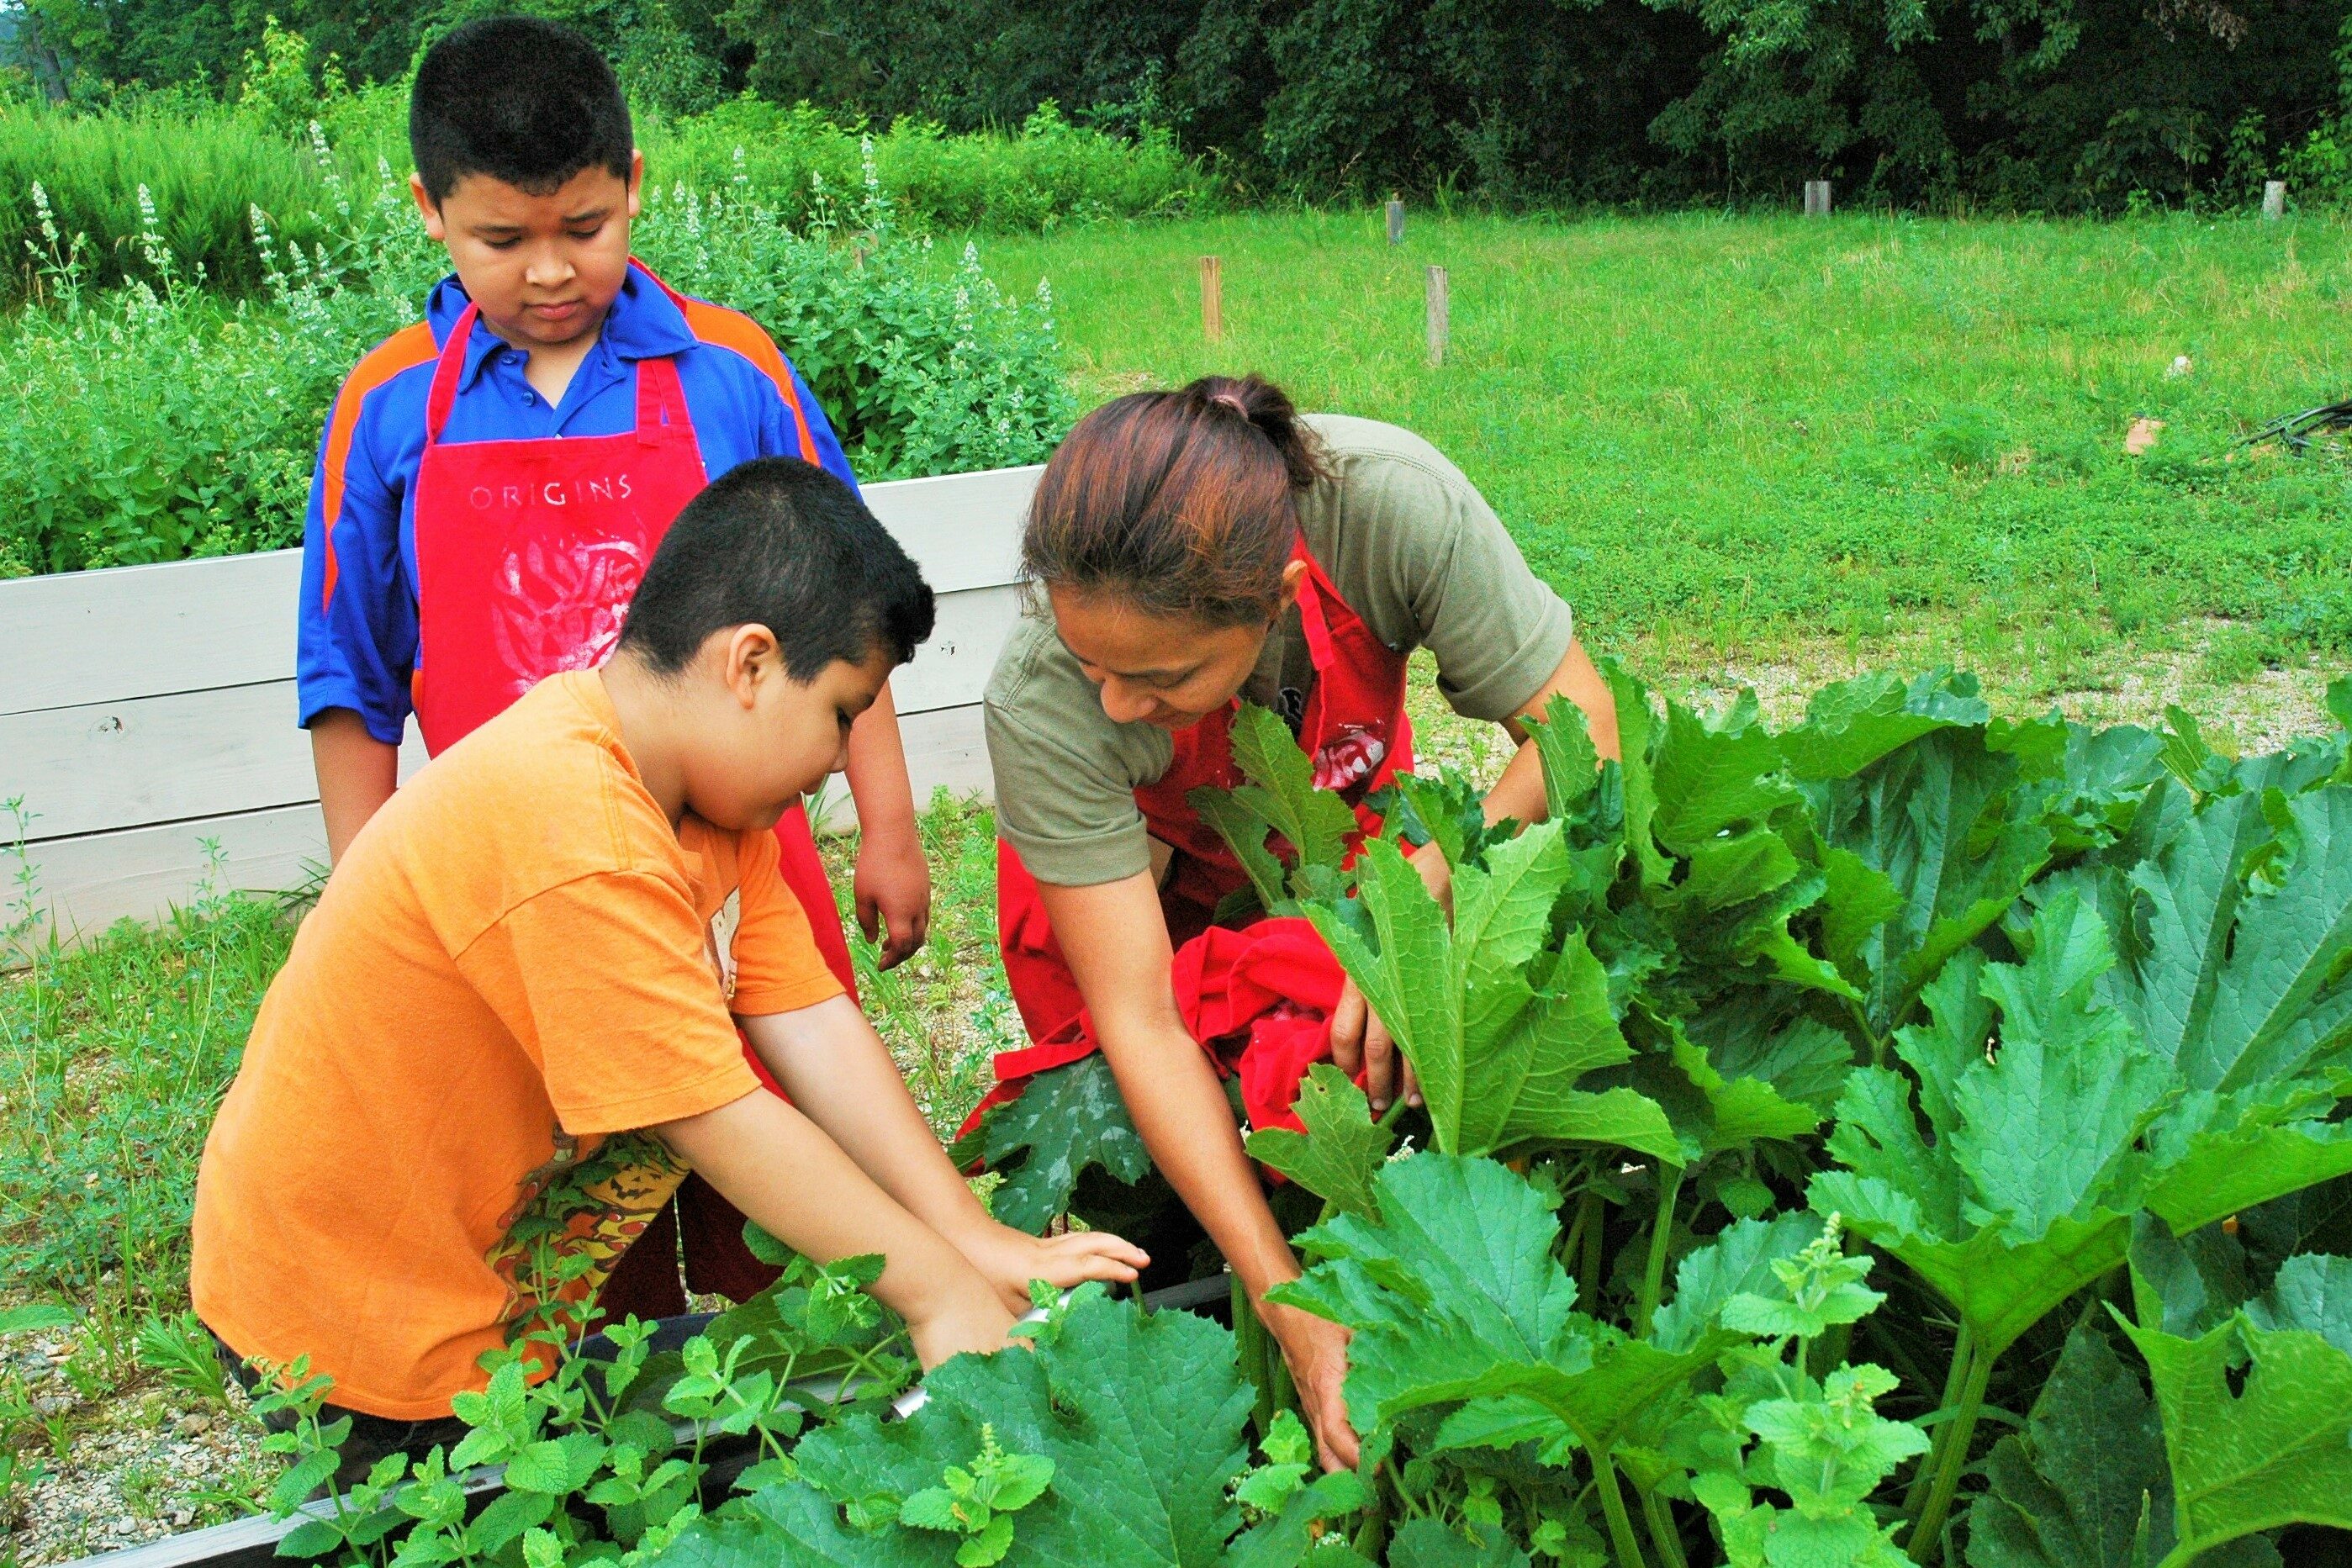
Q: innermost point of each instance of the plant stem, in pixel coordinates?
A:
(1664, 1535)
(1250, 1344)
(1953, 1459)
(1953, 1378)
(1612, 1504)
(1587, 1263)
(1662, 1231)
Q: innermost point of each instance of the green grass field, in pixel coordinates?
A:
(1719, 436)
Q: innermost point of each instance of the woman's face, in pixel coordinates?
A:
(1167, 671)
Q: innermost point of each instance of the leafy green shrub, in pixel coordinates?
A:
(206, 169)
(159, 421)
(1050, 173)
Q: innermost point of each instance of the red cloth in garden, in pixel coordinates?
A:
(1356, 729)
(1259, 1000)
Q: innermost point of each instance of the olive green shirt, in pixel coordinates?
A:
(1413, 549)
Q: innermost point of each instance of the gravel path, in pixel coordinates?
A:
(137, 1465)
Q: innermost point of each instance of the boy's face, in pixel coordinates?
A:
(770, 740)
(543, 269)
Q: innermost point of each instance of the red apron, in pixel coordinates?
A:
(1355, 729)
(527, 552)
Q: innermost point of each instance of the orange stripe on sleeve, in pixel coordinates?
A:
(405, 350)
(732, 330)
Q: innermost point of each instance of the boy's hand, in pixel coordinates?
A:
(1009, 1258)
(974, 1321)
(893, 884)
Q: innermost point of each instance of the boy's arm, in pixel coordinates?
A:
(835, 1069)
(356, 626)
(798, 1185)
(893, 880)
(357, 773)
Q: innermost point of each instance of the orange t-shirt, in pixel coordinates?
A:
(514, 960)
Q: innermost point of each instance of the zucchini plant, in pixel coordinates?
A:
(1908, 1135)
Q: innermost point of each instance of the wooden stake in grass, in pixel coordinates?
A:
(1212, 299)
(1817, 198)
(2274, 200)
(1437, 313)
(1396, 221)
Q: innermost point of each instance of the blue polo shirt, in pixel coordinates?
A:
(356, 644)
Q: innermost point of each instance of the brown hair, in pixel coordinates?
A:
(1183, 503)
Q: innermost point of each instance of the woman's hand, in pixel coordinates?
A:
(1009, 1258)
(1317, 1352)
(1360, 1040)
(893, 884)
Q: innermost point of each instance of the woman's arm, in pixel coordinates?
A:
(1520, 792)
(1116, 940)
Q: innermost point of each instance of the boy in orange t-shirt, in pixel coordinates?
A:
(510, 1002)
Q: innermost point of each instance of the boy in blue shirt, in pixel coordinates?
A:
(492, 481)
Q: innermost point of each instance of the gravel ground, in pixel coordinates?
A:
(141, 1464)
(137, 1465)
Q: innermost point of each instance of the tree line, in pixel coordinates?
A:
(2005, 105)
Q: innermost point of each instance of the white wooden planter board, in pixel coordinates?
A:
(145, 710)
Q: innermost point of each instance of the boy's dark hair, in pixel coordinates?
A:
(784, 544)
(519, 99)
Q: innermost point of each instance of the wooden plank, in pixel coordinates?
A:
(108, 766)
(946, 749)
(89, 882)
(952, 670)
(143, 630)
(80, 638)
(963, 529)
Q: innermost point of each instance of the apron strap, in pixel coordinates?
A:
(445, 372)
(661, 400)
(1312, 620)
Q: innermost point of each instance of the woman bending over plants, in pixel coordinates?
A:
(1190, 550)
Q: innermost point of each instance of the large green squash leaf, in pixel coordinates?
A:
(1497, 1060)
(1454, 1297)
(2026, 1193)
(1854, 724)
(2257, 1412)
(1281, 799)
(2238, 968)
(2085, 1485)
(1067, 1119)
(1141, 1414)
(1928, 830)
(1341, 1149)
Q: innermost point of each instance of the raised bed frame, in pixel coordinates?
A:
(147, 710)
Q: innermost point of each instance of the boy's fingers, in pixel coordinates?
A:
(1112, 1246)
